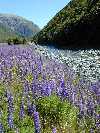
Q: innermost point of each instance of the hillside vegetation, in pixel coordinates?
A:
(77, 25)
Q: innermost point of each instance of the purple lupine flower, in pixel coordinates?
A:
(98, 120)
(48, 90)
(81, 113)
(43, 91)
(22, 113)
(37, 122)
(26, 87)
(62, 84)
(33, 90)
(95, 87)
(1, 128)
(9, 98)
(10, 121)
(31, 109)
(10, 109)
(73, 97)
(1, 74)
(90, 107)
(10, 103)
(91, 130)
(62, 92)
(54, 130)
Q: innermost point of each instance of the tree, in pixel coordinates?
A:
(9, 41)
(24, 41)
(16, 41)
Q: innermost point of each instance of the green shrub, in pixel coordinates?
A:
(9, 41)
(16, 41)
(24, 41)
(54, 112)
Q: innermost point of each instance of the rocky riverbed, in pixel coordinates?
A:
(86, 63)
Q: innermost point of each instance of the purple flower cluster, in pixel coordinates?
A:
(95, 87)
(10, 120)
(30, 107)
(1, 128)
(37, 122)
(22, 112)
(10, 109)
(54, 130)
(42, 76)
(10, 102)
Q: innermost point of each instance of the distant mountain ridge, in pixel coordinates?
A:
(6, 33)
(13, 25)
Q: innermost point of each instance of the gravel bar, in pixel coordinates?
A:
(86, 63)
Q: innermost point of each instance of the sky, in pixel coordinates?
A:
(38, 11)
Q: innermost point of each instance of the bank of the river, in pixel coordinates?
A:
(86, 63)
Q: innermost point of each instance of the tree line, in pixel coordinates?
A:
(16, 40)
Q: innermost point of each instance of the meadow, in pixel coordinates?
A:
(41, 95)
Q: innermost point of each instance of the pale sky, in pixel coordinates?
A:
(38, 11)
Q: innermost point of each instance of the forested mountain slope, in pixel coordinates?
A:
(77, 25)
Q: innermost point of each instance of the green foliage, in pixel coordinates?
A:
(25, 125)
(24, 41)
(55, 112)
(9, 41)
(85, 124)
(16, 40)
(70, 14)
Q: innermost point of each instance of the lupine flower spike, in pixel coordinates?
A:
(54, 130)
(37, 122)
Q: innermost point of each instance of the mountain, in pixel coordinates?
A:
(6, 33)
(77, 25)
(13, 25)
